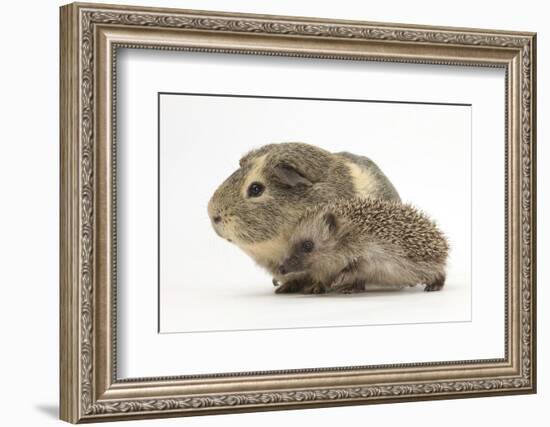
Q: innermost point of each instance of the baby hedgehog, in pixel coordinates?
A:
(351, 244)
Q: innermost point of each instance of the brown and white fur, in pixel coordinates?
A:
(353, 245)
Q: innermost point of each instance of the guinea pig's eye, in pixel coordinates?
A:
(255, 189)
(307, 246)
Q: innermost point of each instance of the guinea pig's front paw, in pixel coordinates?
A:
(314, 288)
(292, 286)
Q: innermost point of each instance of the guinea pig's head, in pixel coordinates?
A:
(268, 192)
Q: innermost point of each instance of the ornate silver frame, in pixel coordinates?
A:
(90, 35)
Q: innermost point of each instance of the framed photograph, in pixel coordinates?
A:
(267, 212)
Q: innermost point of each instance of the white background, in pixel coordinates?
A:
(208, 284)
(29, 216)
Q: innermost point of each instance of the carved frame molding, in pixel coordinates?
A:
(90, 35)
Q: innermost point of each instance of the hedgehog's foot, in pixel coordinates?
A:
(347, 280)
(290, 287)
(350, 288)
(436, 285)
(314, 288)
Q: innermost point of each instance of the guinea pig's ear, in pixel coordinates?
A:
(290, 176)
(251, 155)
(330, 222)
(246, 158)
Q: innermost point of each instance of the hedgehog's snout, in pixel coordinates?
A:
(290, 265)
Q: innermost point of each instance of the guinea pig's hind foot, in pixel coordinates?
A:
(436, 285)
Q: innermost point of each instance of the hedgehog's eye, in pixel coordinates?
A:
(307, 246)
(255, 189)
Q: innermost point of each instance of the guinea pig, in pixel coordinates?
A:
(257, 206)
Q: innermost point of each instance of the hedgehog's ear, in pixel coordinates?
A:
(290, 176)
(330, 222)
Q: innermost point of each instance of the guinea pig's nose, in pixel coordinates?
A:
(217, 219)
(282, 270)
